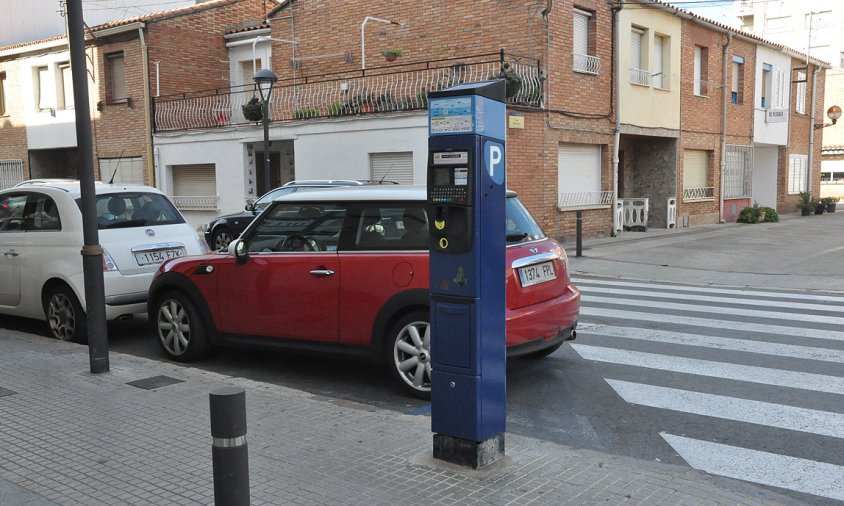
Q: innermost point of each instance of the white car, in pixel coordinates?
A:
(41, 243)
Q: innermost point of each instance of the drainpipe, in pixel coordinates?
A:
(147, 107)
(617, 140)
(723, 164)
(812, 126)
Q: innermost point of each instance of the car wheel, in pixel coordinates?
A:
(543, 353)
(180, 328)
(65, 315)
(409, 357)
(221, 239)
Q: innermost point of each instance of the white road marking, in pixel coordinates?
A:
(740, 372)
(802, 475)
(769, 414)
(751, 313)
(718, 343)
(713, 323)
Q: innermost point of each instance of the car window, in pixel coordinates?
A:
(11, 212)
(391, 228)
(41, 213)
(134, 209)
(268, 197)
(521, 226)
(298, 227)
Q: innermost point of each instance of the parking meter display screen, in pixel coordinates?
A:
(442, 176)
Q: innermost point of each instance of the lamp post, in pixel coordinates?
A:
(832, 113)
(264, 80)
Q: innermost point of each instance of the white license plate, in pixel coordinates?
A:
(158, 256)
(535, 274)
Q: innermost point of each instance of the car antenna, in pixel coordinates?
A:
(385, 174)
(111, 181)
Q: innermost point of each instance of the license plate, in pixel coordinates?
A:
(158, 256)
(536, 274)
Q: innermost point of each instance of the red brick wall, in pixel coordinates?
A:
(12, 130)
(740, 115)
(734, 207)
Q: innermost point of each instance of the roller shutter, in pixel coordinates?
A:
(396, 167)
(194, 180)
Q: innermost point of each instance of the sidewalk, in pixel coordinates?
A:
(69, 437)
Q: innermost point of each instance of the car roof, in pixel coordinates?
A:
(323, 182)
(72, 186)
(364, 193)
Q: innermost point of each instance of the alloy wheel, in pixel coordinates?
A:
(412, 355)
(222, 240)
(62, 317)
(173, 327)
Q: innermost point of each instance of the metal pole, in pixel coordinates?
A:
(580, 233)
(267, 145)
(92, 252)
(229, 451)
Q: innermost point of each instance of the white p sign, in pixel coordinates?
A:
(494, 159)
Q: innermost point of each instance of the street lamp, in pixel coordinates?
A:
(832, 113)
(264, 80)
(366, 20)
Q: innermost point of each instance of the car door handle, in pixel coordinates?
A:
(322, 272)
(13, 253)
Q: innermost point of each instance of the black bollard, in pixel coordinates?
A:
(229, 453)
(579, 233)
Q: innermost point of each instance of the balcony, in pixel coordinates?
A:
(586, 64)
(640, 77)
(698, 194)
(196, 203)
(379, 89)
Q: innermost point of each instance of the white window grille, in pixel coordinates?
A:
(11, 173)
(738, 171)
(125, 170)
(195, 187)
(800, 102)
(397, 167)
(638, 74)
(798, 174)
(582, 61)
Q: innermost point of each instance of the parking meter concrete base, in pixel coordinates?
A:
(466, 198)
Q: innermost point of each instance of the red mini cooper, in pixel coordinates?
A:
(346, 270)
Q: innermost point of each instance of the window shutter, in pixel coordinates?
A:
(780, 90)
(396, 167)
(67, 86)
(117, 73)
(659, 43)
(694, 168)
(797, 173)
(581, 33)
(43, 88)
(636, 48)
(248, 72)
(801, 93)
(195, 180)
(125, 170)
(579, 168)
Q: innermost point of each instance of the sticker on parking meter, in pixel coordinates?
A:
(494, 161)
(461, 176)
(451, 115)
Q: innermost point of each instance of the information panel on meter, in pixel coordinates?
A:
(450, 198)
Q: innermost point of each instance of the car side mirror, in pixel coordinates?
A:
(240, 251)
(250, 207)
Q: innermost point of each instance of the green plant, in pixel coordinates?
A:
(307, 112)
(806, 203)
(394, 52)
(758, 214)
(253, 110)
(512, 80)
(336, 109)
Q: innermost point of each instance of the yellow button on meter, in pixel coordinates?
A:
(443, 243)
(440, 224)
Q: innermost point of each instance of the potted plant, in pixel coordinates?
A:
(829, 203)
(392, 54)
(336, 109)
(819, 206)
(307, 112)
(512, 80)
(806, 204)
(253, 110)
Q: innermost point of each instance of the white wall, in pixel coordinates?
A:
(43, 130)
(764, 188)
(763, 132)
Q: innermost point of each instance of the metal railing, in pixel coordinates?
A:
(380, 89)
(586, 64)
(196, 203)
(583, 199)
(640, 77)
(11, 173)
(700, 193)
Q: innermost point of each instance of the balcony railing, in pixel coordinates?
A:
(584, 199)
(586, 64)
(196, 203)
(640, 77)
(701, 193)
(381, 89)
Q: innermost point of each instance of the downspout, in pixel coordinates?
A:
(617, 140)
(723, 163)
(147, 107)
(812, 127)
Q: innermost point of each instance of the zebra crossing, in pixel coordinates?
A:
(766, 369)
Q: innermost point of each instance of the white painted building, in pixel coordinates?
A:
(771, 98)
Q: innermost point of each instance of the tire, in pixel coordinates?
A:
(180, 328)
(543, 353)
(408, 353)
(221, 238)
(65, 316)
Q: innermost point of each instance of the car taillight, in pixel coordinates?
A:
(108, 262)
(203, 246)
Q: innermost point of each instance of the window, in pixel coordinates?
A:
(583, 46)
(798, 175)
(64, 86)
(696, 175)
(779, 89)
(195, 187)
(393, 228)
(11, 212)
(397, 167)
(737, 82)
(298, 227)
(116, 77)
(800, 99)
(124, 170)
(134, 209)
(42, 89)
(767, 86)
(638, 59)
(248, 71)
(661, 47)
(4, 109)
(701, 72)
(738, 171)
(42, 213)
(11, 172)
(579, 175)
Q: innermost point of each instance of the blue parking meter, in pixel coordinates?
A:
(466, 199)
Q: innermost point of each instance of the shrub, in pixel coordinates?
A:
(757, 214)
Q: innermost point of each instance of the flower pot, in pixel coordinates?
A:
(820, 209)
(805, 211)
(830, 208)
(390, 56)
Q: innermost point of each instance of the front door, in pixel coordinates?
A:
(289, 286)
(11, 241)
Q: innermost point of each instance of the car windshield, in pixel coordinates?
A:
(268, 197)
(521, 226)
(134, 209)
